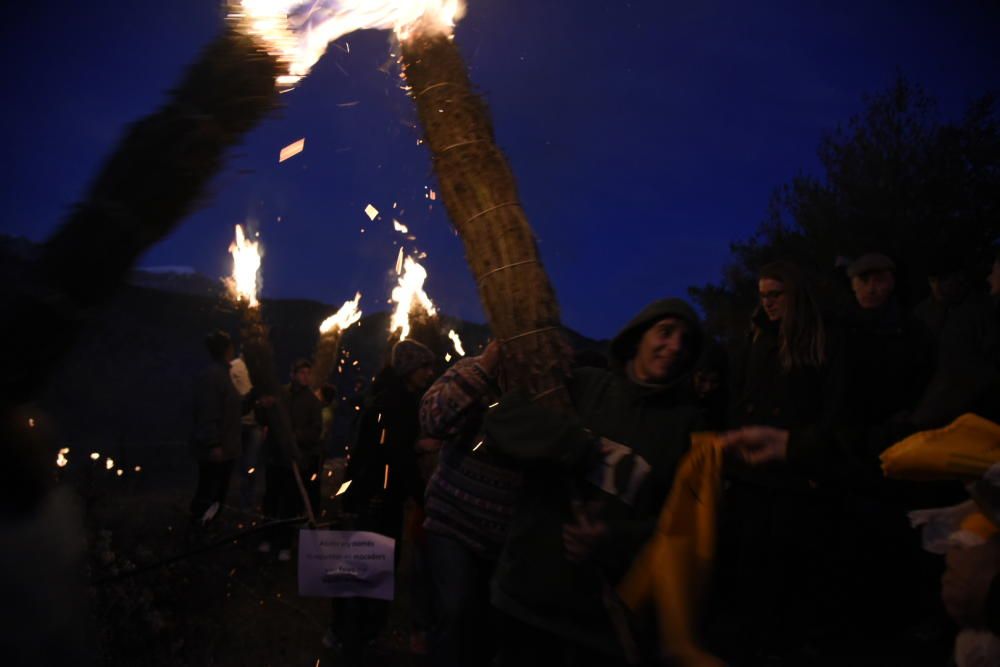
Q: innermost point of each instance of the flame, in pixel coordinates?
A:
(297, 32)
(246, 265)
(457, 342)
(408, 294)
(348, 315)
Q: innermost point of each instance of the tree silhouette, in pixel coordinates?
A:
(897, 180)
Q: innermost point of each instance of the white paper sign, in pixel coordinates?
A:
(345, 564)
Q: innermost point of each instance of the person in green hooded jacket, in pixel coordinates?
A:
(594, 485)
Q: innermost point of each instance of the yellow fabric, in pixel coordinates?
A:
(964, 450)
(979, 524)
(672, 570)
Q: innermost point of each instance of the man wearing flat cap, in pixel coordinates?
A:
(892, 360)
(873, 280)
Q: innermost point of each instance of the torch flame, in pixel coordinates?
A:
(348, 314)
(409, 293)
(246, 266)
(297, 32)
(457, 342)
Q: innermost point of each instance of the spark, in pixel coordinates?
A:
(457, 342)
(385, 482)
(371, 212)
(400, 227)
(343, 487)
(109, 464)
(291, 150)
(251, 471)
(31, 422)
(94, 456)
(478, 445)
(313, 478)
(119, 472)
(138, 468)
(447, 356)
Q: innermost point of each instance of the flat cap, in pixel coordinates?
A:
(873, 261)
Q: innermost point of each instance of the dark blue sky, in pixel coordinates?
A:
(645, 136)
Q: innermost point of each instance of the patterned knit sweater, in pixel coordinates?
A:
(472, 493)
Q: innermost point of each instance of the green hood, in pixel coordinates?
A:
(623, 345)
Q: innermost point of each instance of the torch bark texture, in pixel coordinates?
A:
(327, 350)
(481, 197)
(155, 177)
(259, 358)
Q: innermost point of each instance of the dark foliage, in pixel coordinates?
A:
(896, 179)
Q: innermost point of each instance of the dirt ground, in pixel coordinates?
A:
(218, 604)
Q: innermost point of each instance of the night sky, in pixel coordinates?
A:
(645, 136)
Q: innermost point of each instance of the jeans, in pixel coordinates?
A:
(213, 484)
(463, 620)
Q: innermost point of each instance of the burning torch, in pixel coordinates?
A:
(257, 352)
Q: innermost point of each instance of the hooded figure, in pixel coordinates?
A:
(594, 484)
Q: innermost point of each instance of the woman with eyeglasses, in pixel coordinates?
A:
(779, 528)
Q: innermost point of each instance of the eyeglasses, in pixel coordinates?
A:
(773, 295)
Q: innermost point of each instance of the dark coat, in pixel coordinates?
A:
(387, 432)
(891, 359)
(968, 374)
(305, 416)
(217, 414)
(645, 432)
(764, 393)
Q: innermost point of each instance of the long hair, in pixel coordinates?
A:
(802, 334)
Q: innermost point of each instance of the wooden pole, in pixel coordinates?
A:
(327, 350)
(480, 194)
(259, 358)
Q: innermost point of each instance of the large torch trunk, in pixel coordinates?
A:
(327, 351)
(155, 177)
(480, 195)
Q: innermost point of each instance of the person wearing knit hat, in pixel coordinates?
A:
(385, 476)
(413, 362)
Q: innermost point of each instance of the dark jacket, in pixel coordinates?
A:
(217, 413)
(968, 373)
(305, 416)
(387, 432)
(891, 359)
(764, 393)
(616, 457)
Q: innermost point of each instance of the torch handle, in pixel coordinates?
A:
(305, 495)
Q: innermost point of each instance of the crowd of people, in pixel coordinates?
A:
(520, 520)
